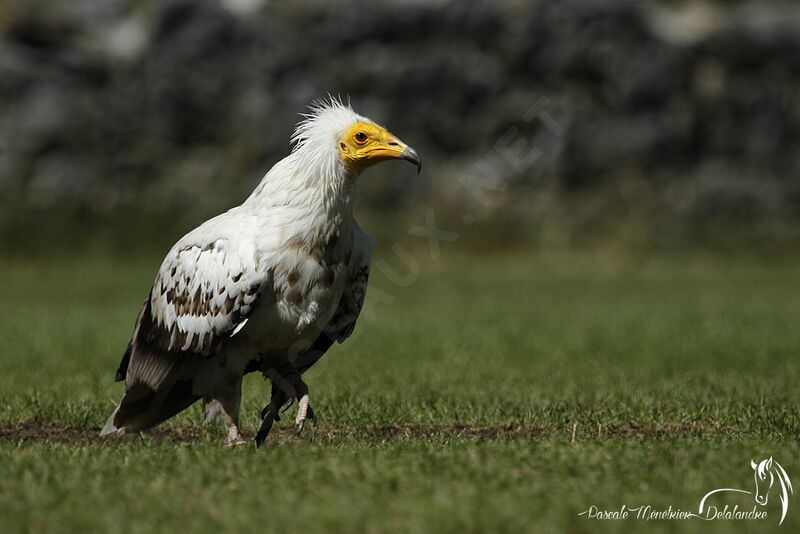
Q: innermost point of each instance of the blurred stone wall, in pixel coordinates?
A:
(673, 117)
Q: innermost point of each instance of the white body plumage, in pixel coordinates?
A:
(260, 282)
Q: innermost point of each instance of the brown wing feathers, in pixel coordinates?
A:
(167, 347)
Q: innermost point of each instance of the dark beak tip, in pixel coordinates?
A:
(412, 156)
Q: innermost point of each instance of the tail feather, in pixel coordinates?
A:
(158, 382)
(142, 408)
(109, 427)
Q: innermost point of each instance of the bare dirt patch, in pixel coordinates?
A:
(37, 432)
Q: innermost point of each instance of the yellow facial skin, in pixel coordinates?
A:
(366, 143)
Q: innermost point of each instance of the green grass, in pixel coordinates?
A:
(452, 408)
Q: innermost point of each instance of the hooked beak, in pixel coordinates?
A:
(393, 148)
(409, 154)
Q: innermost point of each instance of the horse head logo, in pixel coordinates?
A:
(766, 473)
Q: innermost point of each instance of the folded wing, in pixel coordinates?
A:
(343, 322)
(202, 296)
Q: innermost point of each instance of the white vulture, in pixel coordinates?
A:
(267, 286)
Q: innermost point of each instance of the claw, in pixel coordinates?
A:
(309, 416)
(266, 409)
(266, 425)
(312, 415)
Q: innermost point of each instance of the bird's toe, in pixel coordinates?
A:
(302, 412)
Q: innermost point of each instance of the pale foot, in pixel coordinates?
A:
(304, 412)
(235, 438)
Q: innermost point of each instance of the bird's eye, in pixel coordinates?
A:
(361, 137)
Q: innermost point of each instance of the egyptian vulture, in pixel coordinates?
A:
(267, 286)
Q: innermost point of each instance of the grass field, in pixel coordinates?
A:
(503, 395)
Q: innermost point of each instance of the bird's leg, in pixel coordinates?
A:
(304, 410)
(213, 410)
(285, 387)
(294, 387)
(270, 413)
(230, 401)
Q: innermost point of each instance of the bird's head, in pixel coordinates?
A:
(333, 134)
(365, 143)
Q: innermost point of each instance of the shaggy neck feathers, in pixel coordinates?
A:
(313, 183)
